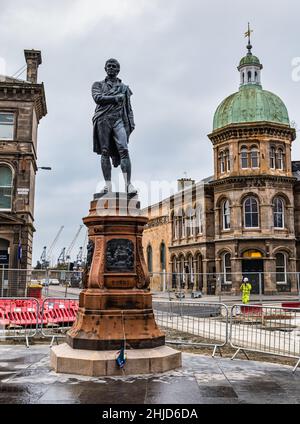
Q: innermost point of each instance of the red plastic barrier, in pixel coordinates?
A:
(295, 305)
(26, 313)
(253, 309)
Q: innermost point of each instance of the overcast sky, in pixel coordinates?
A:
(179, 58)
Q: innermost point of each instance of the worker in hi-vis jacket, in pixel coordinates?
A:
(245, 289)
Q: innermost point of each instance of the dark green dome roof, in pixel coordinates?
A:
(251, 104)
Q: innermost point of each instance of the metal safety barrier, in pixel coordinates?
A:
(19, 318)
(266, 329)
(58, 314)
(206, 320)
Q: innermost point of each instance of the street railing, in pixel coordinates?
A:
(263, 283)
(207, 321)
(266, 329)
(35, 282)
(19, 318)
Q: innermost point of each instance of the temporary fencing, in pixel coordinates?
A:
(59, 315)
(207, 321)
(35, 282)
(260, 328)
(19, 318)
(266, 329)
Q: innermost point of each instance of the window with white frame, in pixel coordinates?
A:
(280, 162)
(251, 213)
(226, 215)
(7, 125)
(278, 212)
(281, 268)
(254, 157)
(272, 158)
(244, 157)
(227, 156)
(6, 178)
(198, 220)
(222, 162)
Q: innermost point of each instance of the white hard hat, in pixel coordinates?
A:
(246, 280)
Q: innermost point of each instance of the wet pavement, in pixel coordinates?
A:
(26, 378)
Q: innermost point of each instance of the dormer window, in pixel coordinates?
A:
(7, 125)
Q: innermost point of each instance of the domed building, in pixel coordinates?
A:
(245, 220)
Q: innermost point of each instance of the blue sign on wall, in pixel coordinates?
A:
(4, 257)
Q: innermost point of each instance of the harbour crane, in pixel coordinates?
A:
(43, 258)
(48, 256)
(70, 248)
(62, 257)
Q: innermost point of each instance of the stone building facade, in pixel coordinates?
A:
(245, 219)
(22, 106)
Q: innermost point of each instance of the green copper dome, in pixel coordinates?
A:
(251, 104)
(250, 59)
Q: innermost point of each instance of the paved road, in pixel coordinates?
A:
(71, 292)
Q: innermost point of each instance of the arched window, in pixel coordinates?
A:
(243, 77)
(173, 220)
(251, 213)
(149, 258)
(278, 212)
(183, 225)
(254, 157)
(179, 219)
(272, 157)
(162, 256)
(280, 268)
(249, 76)
(198, 272)
(244, 157)
(280, 162)
(198, 220)
(226, 215)
(226, 267)
(222, 162)
(5, 187)
(190, 222)
(227, 160)
(256, 79)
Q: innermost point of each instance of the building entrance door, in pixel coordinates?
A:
(251, 268)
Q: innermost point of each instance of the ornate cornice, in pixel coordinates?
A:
(156, 222)
(246, 131)
(254, 181)
(25, 92)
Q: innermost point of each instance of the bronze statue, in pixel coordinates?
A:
(113, 123)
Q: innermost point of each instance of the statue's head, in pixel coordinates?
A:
(112, 67)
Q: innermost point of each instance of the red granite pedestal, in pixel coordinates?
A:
(115, 307)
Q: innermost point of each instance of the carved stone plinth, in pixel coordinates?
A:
(116, 303)
(64, 359)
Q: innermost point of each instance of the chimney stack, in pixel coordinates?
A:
(33, 59)
(185, 183)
